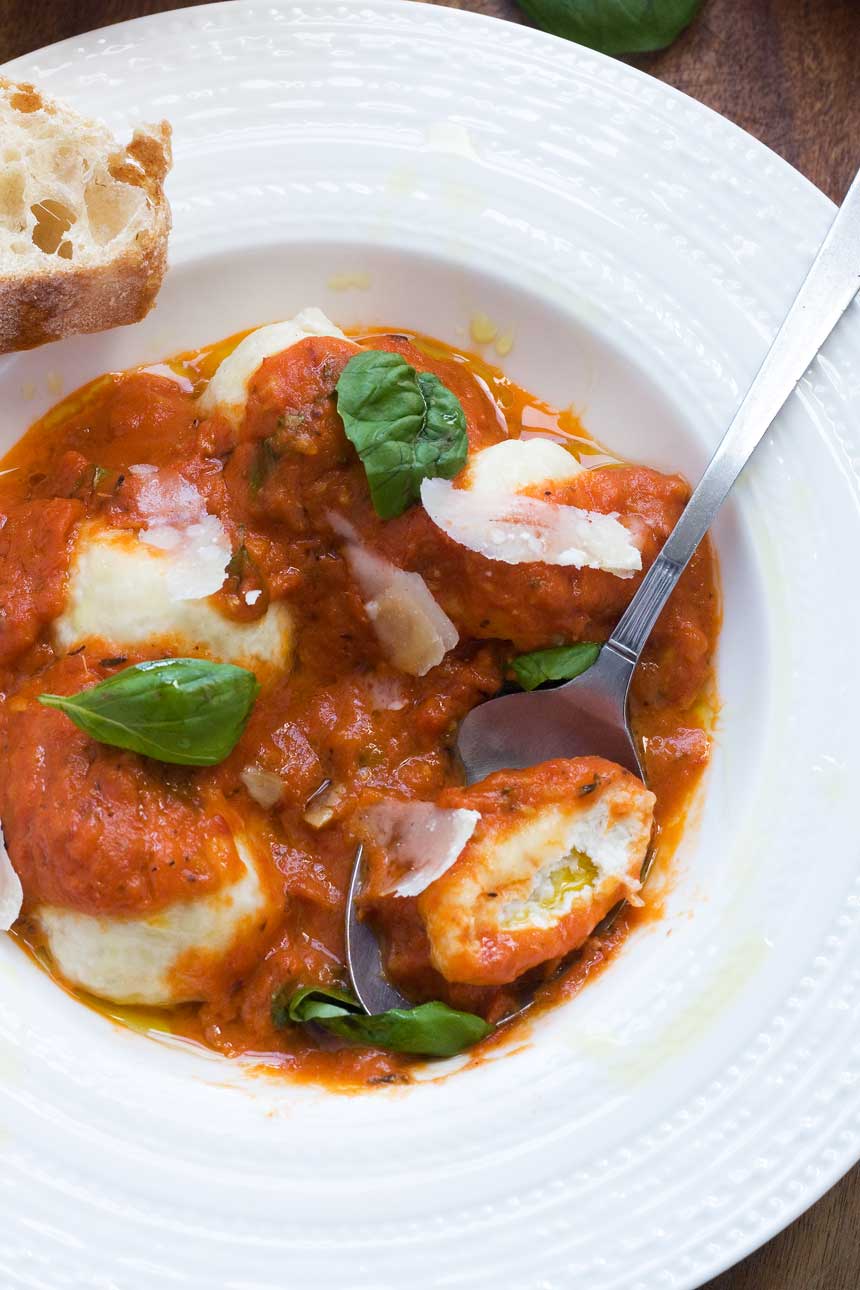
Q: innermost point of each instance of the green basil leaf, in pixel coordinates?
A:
(614, 26)
(187, 711)
(312, 1003)
(406, 426)
(560, 664)
(430, 1030)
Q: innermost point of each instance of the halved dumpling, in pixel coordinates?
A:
(556, 847)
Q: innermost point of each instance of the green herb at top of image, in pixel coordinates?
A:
(614, 26)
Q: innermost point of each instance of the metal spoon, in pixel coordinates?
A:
(589, 714)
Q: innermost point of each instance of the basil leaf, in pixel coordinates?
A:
(312, 1003)
(560, 664)
(614, 26)
(405, 425)
(430, 1030)
(186, 711)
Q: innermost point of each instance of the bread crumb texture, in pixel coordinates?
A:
(83, 222)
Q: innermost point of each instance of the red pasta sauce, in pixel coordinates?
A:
(341, 716)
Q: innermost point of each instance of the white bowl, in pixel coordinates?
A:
(706, 1088)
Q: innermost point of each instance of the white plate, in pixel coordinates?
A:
(707, 1088)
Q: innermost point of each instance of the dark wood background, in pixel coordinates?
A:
(789, 72)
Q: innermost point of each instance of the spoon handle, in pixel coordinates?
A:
(829, 287)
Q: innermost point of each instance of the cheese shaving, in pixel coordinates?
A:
(493, 517)
(414, 631)
(179, 524)
(420, 841)
(526, 530)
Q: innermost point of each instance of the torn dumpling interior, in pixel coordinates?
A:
(556, 847)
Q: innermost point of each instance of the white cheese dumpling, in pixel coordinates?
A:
(556, 847)
(126, 592)
(227, 392)
(142, 878)
(155, 959)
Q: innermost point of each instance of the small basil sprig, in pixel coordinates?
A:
(430, 1030)
(405, 425)
(560, 664)
(614, 26)
(187, 711)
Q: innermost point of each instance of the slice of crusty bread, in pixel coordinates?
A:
(83, 222)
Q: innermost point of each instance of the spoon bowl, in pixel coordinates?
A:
(582, 717)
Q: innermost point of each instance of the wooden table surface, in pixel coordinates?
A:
(789, 72)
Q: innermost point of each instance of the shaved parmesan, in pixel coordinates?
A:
(11, 892)
(420, 842)
(178, 523)
(198, 556)
(228, 389)
(525, 530)
(493, 517)
(413, 630)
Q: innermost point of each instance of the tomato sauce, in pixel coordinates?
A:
(106, 832)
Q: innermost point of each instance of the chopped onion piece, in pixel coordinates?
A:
(322, 805)
(11, 891)
(420, 840)
(264, 786)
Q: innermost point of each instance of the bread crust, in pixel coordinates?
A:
(63, 299)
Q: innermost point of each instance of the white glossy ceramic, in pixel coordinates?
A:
(415, 165)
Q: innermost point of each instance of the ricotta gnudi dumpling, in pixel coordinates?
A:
(125, 591)
(227, 392)
(151, 587)
(140, 960)
(556, 847)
